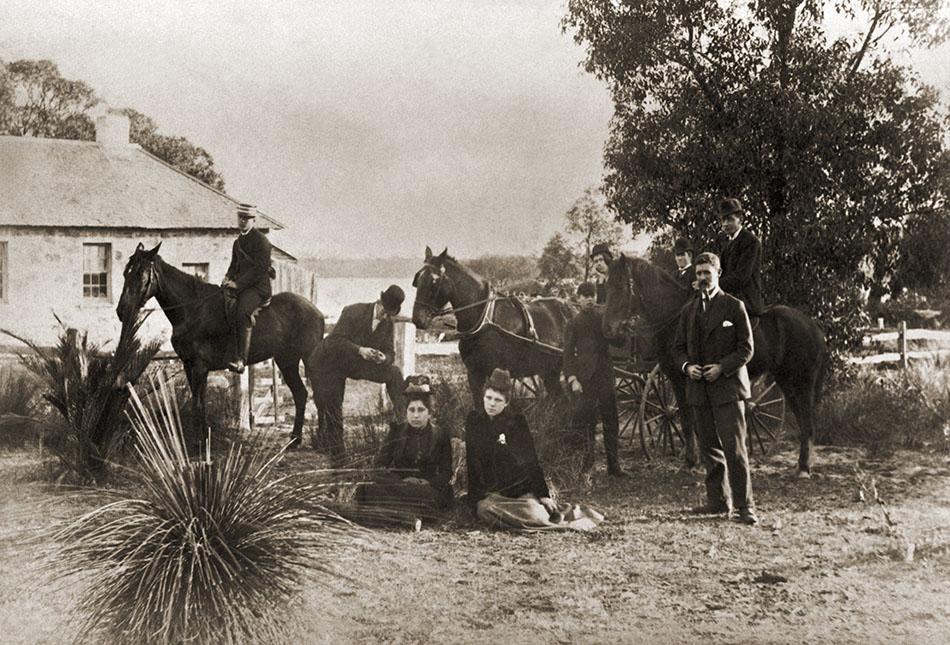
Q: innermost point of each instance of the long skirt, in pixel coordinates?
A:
(526, 513)
(391, 500)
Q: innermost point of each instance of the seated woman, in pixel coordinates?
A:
(418, 457)
(505, 482)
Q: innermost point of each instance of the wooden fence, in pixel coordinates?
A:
(904, 344)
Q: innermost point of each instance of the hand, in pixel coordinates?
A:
(695, 285)
(576, 386)
(712, 372)
(378, 357)
(695, 372)
(368, 354)
(548, 504)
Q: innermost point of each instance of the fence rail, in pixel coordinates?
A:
(938, 342)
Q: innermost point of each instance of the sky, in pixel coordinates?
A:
(370, 129)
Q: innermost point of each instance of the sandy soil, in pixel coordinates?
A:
(822, 565)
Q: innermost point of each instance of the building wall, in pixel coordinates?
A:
(45, 269)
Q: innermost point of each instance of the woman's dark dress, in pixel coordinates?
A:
(507, 466)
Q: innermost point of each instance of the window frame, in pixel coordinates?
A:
(188, 267)
(108, 273)
(4, 271)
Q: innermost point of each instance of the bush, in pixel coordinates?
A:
(886, 411)
(86, 387)
(203, 552)
(18, 408)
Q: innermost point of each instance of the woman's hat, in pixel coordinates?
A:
(499, 380)
(418, 384)
(392, 299)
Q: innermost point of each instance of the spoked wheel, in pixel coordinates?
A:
(526, 391)
(629, 389)
(765, 414)
(660, 424)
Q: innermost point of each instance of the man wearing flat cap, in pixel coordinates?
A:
(248, 276)
(600, 257)
(361, 346)
(740, 253)
(683, 254)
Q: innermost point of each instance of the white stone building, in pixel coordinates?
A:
(71, 213)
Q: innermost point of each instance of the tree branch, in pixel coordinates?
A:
(879, 13)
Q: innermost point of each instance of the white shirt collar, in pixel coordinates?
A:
(715, 292)
(732, 238)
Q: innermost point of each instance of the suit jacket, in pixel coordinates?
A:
(586, 351)
(686, 276)
(722, 335)
(250, 262)
(741, 265)
(600, 289)
(340, 349)
(425, 453)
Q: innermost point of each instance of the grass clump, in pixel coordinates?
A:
(203, 552)
(19, 407)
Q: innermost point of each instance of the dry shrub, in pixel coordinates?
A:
(888, 410)
(560, 451)
(203, 552)
(19, 408)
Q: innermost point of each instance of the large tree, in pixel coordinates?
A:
(37, 101)
(831, 145)
(588, 223)
(557, 261)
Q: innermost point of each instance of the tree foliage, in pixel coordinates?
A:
(557, 261)
(37, 101)
(588, 223)
(504, 269)
(830, 144)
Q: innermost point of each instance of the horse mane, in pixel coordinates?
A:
(657, 285)
(193, 283)
(482, 282)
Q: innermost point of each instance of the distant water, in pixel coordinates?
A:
(335, 293)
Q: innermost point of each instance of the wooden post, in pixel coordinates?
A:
(273, 388)
(405, 347)
(902, 343)
(250, 396)
(240, 384)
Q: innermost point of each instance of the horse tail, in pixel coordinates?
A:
(824, 357)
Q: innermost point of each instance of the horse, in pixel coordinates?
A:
(287, 330)
(495, 331)
(787, 344)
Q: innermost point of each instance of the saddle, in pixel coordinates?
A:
(230, 308)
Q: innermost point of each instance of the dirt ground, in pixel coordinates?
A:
(823, 565)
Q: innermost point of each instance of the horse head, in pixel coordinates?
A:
(619, 297)
(141, 281)
(433, 289)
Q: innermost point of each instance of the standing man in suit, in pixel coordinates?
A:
(600, 257)
(683, 254)
(589, 373)
(361, 346)
(741, 254)
(249, 276)
(713, 344)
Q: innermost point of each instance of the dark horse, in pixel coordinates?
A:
(788, 344)
(494, 331)
(288, 330)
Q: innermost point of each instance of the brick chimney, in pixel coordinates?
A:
(112, 129)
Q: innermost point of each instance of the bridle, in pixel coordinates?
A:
(439, 280)
(636, 323)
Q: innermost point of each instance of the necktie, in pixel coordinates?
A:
(705, 302)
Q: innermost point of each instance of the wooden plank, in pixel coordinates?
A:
(895, 357)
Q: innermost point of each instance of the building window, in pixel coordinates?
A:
(4, 281)
(197, 269)
(96, 268)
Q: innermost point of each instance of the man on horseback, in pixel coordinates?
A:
(248, 276)
(361, 346)
(683, 254)
(589, 372)
(740, 252)
(600, 257)
(712, 347)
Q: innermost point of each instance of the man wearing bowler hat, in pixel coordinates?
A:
(248, 276)
(600, 257)
(683, 254)
(740, 253)
(361, 346)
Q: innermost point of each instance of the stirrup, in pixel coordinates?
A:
(236, 366)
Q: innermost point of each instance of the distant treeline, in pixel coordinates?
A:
(497, 268)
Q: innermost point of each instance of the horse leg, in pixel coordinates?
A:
(690, 444)
(476, 380)
(197, 374)
(801, 398)
(290, 371)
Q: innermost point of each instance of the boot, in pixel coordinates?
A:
(243, 345)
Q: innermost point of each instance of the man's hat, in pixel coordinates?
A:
(418, 384)
(246, 211)
(728, 207)
(392, 299)
(586, 289)
(681, 246)
(500, 380)
(601, 248)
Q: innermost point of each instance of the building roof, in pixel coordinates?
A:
(61, 183)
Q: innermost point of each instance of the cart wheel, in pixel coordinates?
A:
(765, 414)
(659, 413)
(629, 388)
(526, 391)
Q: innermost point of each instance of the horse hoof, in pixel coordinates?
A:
(802, 474)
